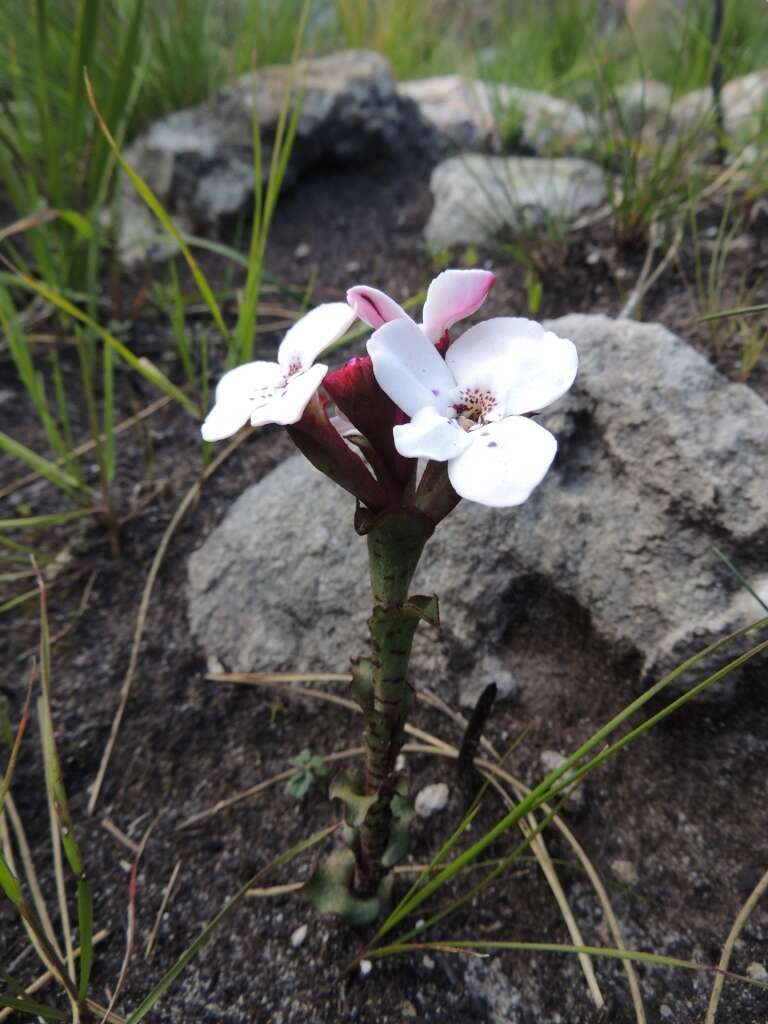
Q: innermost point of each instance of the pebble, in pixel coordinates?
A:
(757, 971)
(213, 666)
(365, 968)
(625, 870)
(550, 761)
(302, 250)
(400, 763)
(298, 936)
(431, 799)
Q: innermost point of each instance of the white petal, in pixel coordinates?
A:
(236, 393)
(431, 436)
(225, 419)
(374, 308)
(453, 295)
(246, 380)
(523, 365)
(504, 462)
(309, 336)
(409, 368)
(288, 406)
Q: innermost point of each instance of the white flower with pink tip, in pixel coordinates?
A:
(452, 295)
(264, 392)
(468, 409)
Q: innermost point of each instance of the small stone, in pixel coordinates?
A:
(490, 669)
(302, 250)
(625, 870)
(431, 799)
(407, 1008)
(551, 760)
(365, 968)
(429, 963)
(353, 266)
(757, 971)
(665, 1011)
(213, 666)
(298, 936)
(400, 763)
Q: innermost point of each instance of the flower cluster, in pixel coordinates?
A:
(461, 404)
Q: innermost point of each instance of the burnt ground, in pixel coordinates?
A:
(685, 806)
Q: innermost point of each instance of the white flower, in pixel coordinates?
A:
(278, 392)
(467, 409)
(451, 296)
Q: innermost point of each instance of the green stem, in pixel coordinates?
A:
(395, 543)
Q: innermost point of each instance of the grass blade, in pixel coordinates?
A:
(61, 817)
(143, 366)
(480, 946)
(23, 1004)
(65, 482)
(38, 522)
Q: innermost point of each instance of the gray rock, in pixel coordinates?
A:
(476, 115)
(643, 101)
(477, 196)
(199, 162)
(745, 105)
(660, 458)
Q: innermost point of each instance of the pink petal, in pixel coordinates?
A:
(374, 307)
(453, 295)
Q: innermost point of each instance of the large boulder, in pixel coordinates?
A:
(475, 115)
(199, 162)
(478, 196)
(661, 458)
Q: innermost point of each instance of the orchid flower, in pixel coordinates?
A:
(451, 296)
(264, 392)
(467, 409)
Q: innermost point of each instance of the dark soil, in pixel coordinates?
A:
(686, 806)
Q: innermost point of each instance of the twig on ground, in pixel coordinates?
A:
(120, 836)
(730, 942)
(647, 279)
(152, 939)
(130, 936)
